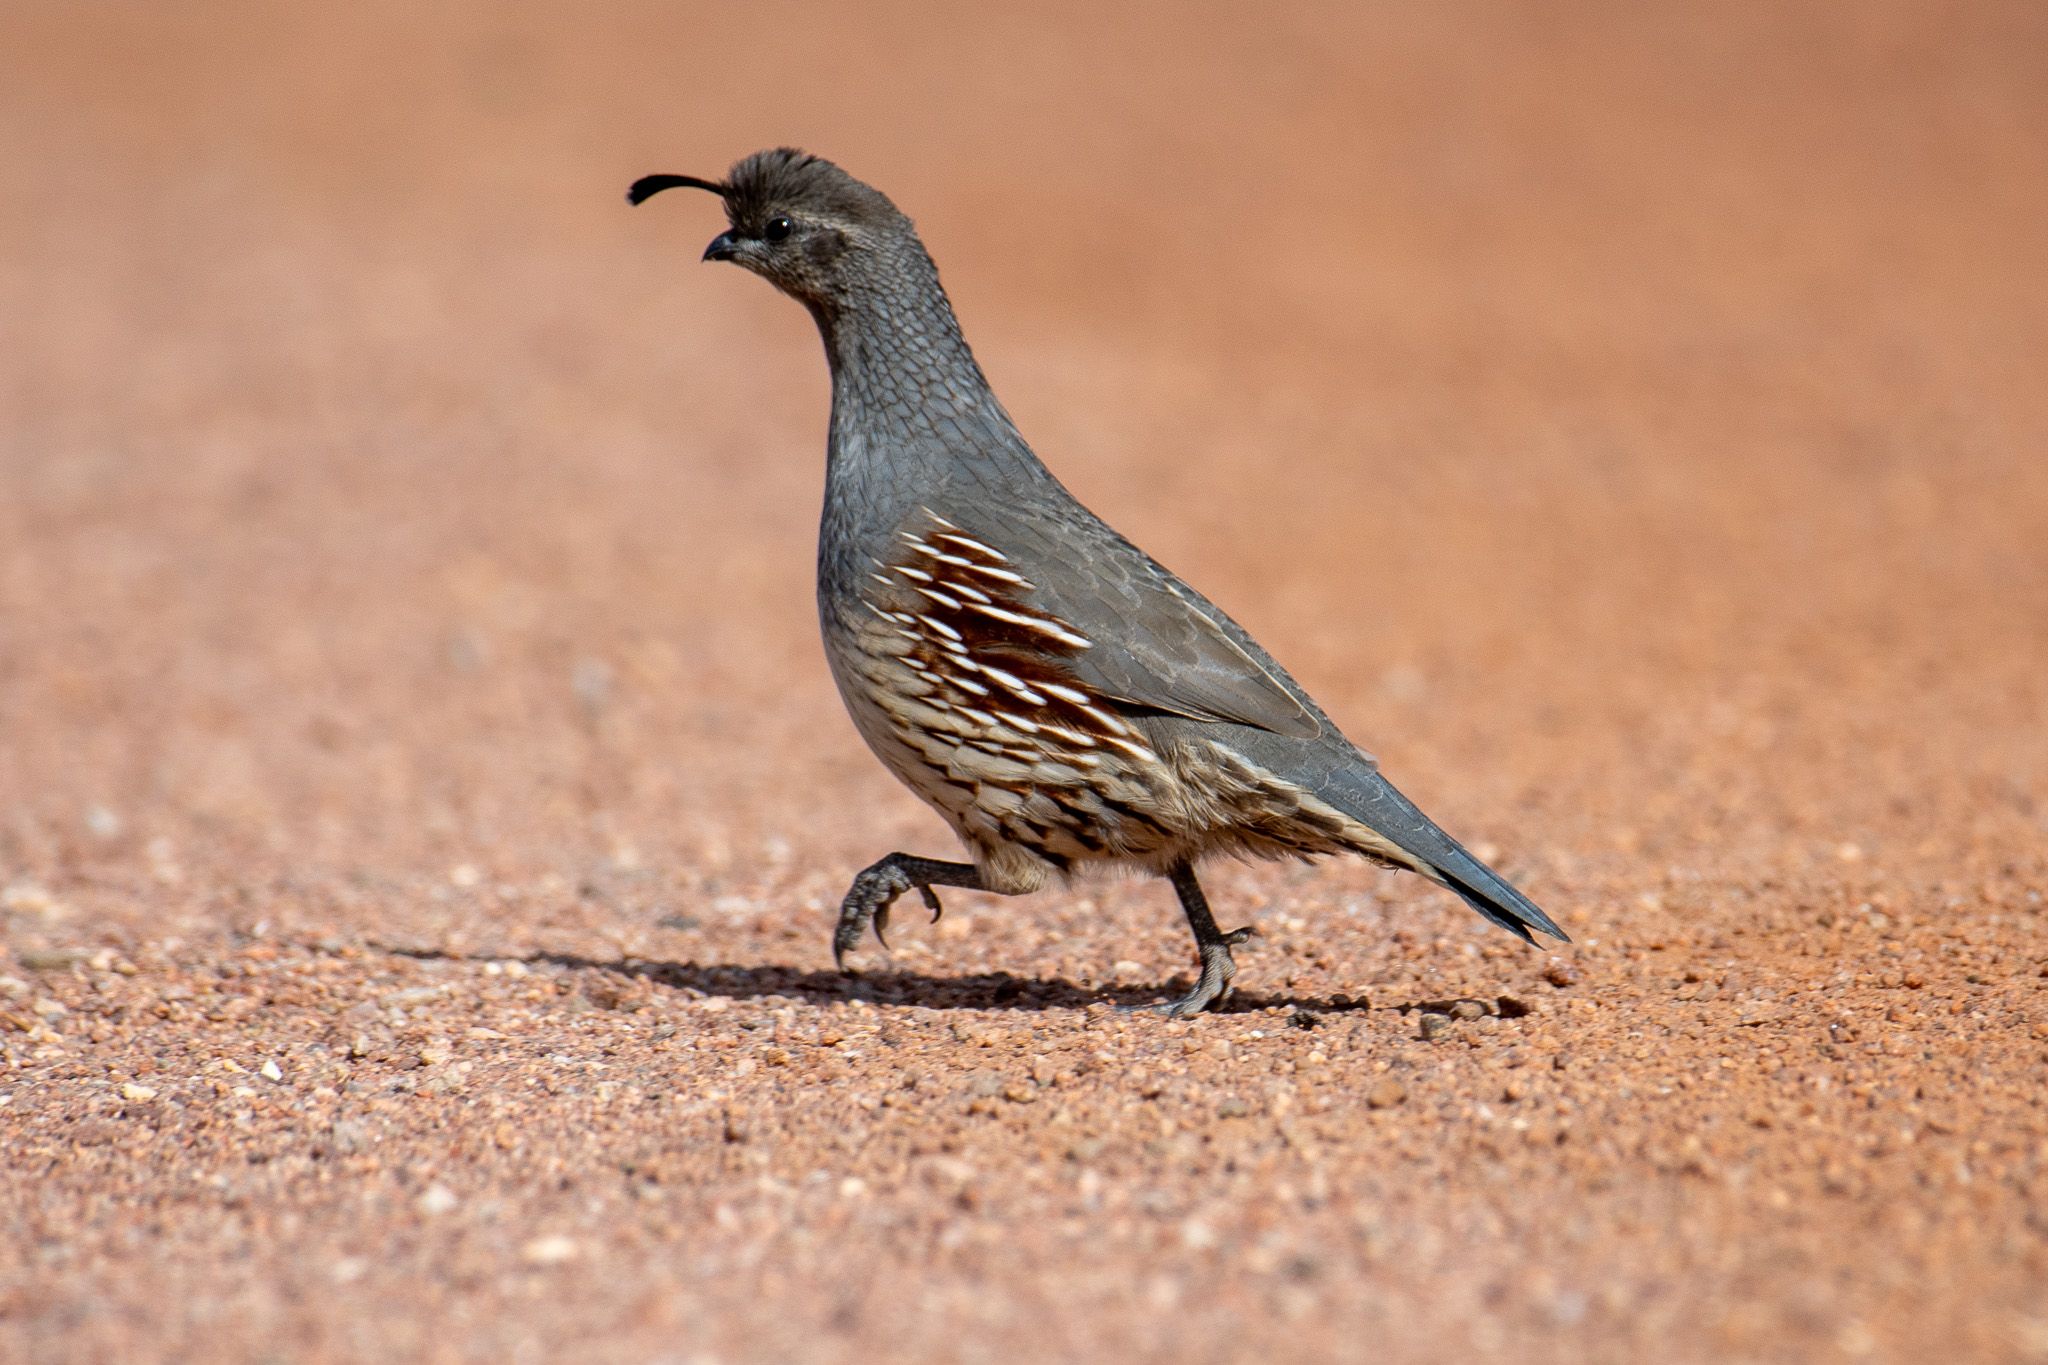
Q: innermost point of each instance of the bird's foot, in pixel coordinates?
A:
(1212, 988)
(868, 902)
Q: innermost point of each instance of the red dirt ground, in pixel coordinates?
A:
(422, 803)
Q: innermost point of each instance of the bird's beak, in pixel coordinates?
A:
(723, 247)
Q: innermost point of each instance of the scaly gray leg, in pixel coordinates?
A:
(1212, 943)
(875, 889)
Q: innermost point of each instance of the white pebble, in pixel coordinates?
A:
(437, 1198)
(552, 1250)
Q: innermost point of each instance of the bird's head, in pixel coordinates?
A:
(799, 222)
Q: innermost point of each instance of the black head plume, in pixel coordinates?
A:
(647, 186)
(802, 224)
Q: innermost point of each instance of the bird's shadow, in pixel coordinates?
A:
(983, 991)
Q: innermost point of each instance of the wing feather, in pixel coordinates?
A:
(1170, 648)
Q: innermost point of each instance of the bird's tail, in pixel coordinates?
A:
(1374, 802)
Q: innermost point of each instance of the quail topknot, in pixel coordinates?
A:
(1060, 698)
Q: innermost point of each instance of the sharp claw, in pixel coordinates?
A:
(1237, 936)
(874, 891)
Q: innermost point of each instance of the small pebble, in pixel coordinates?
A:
(553, 1250)
(416, 995)
(436, 1199)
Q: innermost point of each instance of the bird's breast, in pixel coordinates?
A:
(967, 690)
(947, 639)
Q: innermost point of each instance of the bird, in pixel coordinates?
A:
(1063, 701)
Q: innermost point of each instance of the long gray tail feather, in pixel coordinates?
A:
(1370, 798)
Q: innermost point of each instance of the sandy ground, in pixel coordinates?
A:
(422, 803)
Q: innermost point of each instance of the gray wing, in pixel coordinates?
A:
(1155, 642)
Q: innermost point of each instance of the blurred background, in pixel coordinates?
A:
(1627, 418)
(1652, 391)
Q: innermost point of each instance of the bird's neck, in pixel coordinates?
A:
(904, 380)
(914, 426)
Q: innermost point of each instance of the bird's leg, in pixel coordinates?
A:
(875, 889)
(1212, 943)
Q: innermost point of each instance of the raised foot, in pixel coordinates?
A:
(868, 902)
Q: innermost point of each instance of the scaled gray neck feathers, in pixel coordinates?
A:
(910, 405)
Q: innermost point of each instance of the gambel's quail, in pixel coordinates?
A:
(1060, 698)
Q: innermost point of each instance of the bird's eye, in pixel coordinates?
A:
(776, 229)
